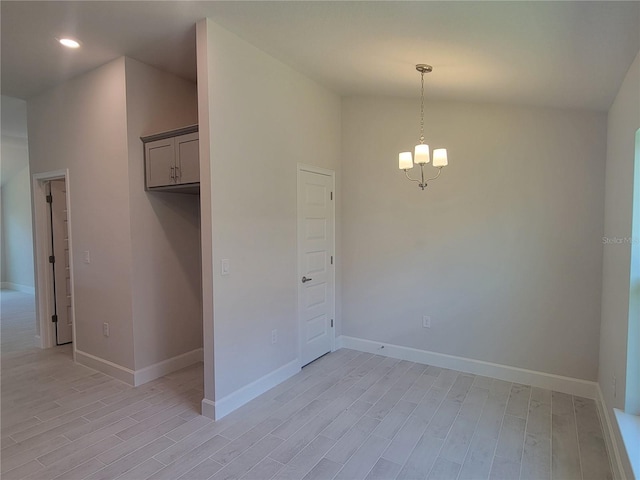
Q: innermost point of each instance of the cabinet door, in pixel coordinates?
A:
(187, 158)
(160, 160)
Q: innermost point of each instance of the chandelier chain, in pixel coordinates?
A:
(422, 109)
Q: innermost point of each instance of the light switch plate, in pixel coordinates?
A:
(224, 266)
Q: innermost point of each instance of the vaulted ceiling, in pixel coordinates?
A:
(566, 54)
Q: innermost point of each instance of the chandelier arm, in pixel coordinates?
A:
(439, 172)
(406, 172)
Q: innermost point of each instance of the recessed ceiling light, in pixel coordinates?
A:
(69, 42)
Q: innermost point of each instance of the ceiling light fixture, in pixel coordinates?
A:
(69, 42)
(405, 162)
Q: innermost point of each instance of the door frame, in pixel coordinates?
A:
(301, 167)
(42, 246)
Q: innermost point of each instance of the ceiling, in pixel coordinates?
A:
(566, 54)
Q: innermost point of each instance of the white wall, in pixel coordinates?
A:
(623, 122)
(17, 246)
(165, 227)
(503, 251)
(263, 119)
(82, 125)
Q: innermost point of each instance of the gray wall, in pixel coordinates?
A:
(165, 227)
(623, 122)
(503, 251)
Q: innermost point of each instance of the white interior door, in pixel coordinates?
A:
(316, 282)
(61, 271)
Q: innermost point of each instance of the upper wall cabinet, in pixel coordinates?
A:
(171, 161)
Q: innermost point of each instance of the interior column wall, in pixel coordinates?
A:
(261, 126)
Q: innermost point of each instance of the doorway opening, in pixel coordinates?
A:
(54, 260)
(62, 317)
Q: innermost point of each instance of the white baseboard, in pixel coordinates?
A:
(114, 370)
(219, 408)
(209, 409)
(610, 437)
(19, 288)
(144, 375)
(165, 367)
(573, 386)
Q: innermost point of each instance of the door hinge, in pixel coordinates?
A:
(332, 323)
(52, 259)
(54, 318)
(331, 195)
(49, 198)
(331, 259)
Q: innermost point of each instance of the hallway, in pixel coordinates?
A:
(18, 327)
(58, 416)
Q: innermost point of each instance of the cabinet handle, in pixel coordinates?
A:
(177, 170)
(171, 173)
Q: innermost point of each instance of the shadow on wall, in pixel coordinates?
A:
(178, 217)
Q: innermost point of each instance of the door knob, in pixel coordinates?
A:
(305, 279)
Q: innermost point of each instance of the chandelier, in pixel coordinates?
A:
(422, 156)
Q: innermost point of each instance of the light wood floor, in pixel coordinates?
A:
(349, 415)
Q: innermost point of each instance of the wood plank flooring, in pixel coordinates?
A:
(349, 415)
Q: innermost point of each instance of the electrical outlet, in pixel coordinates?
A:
(274, 336)
(426, 321)
(105, 329)
(86, 256)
